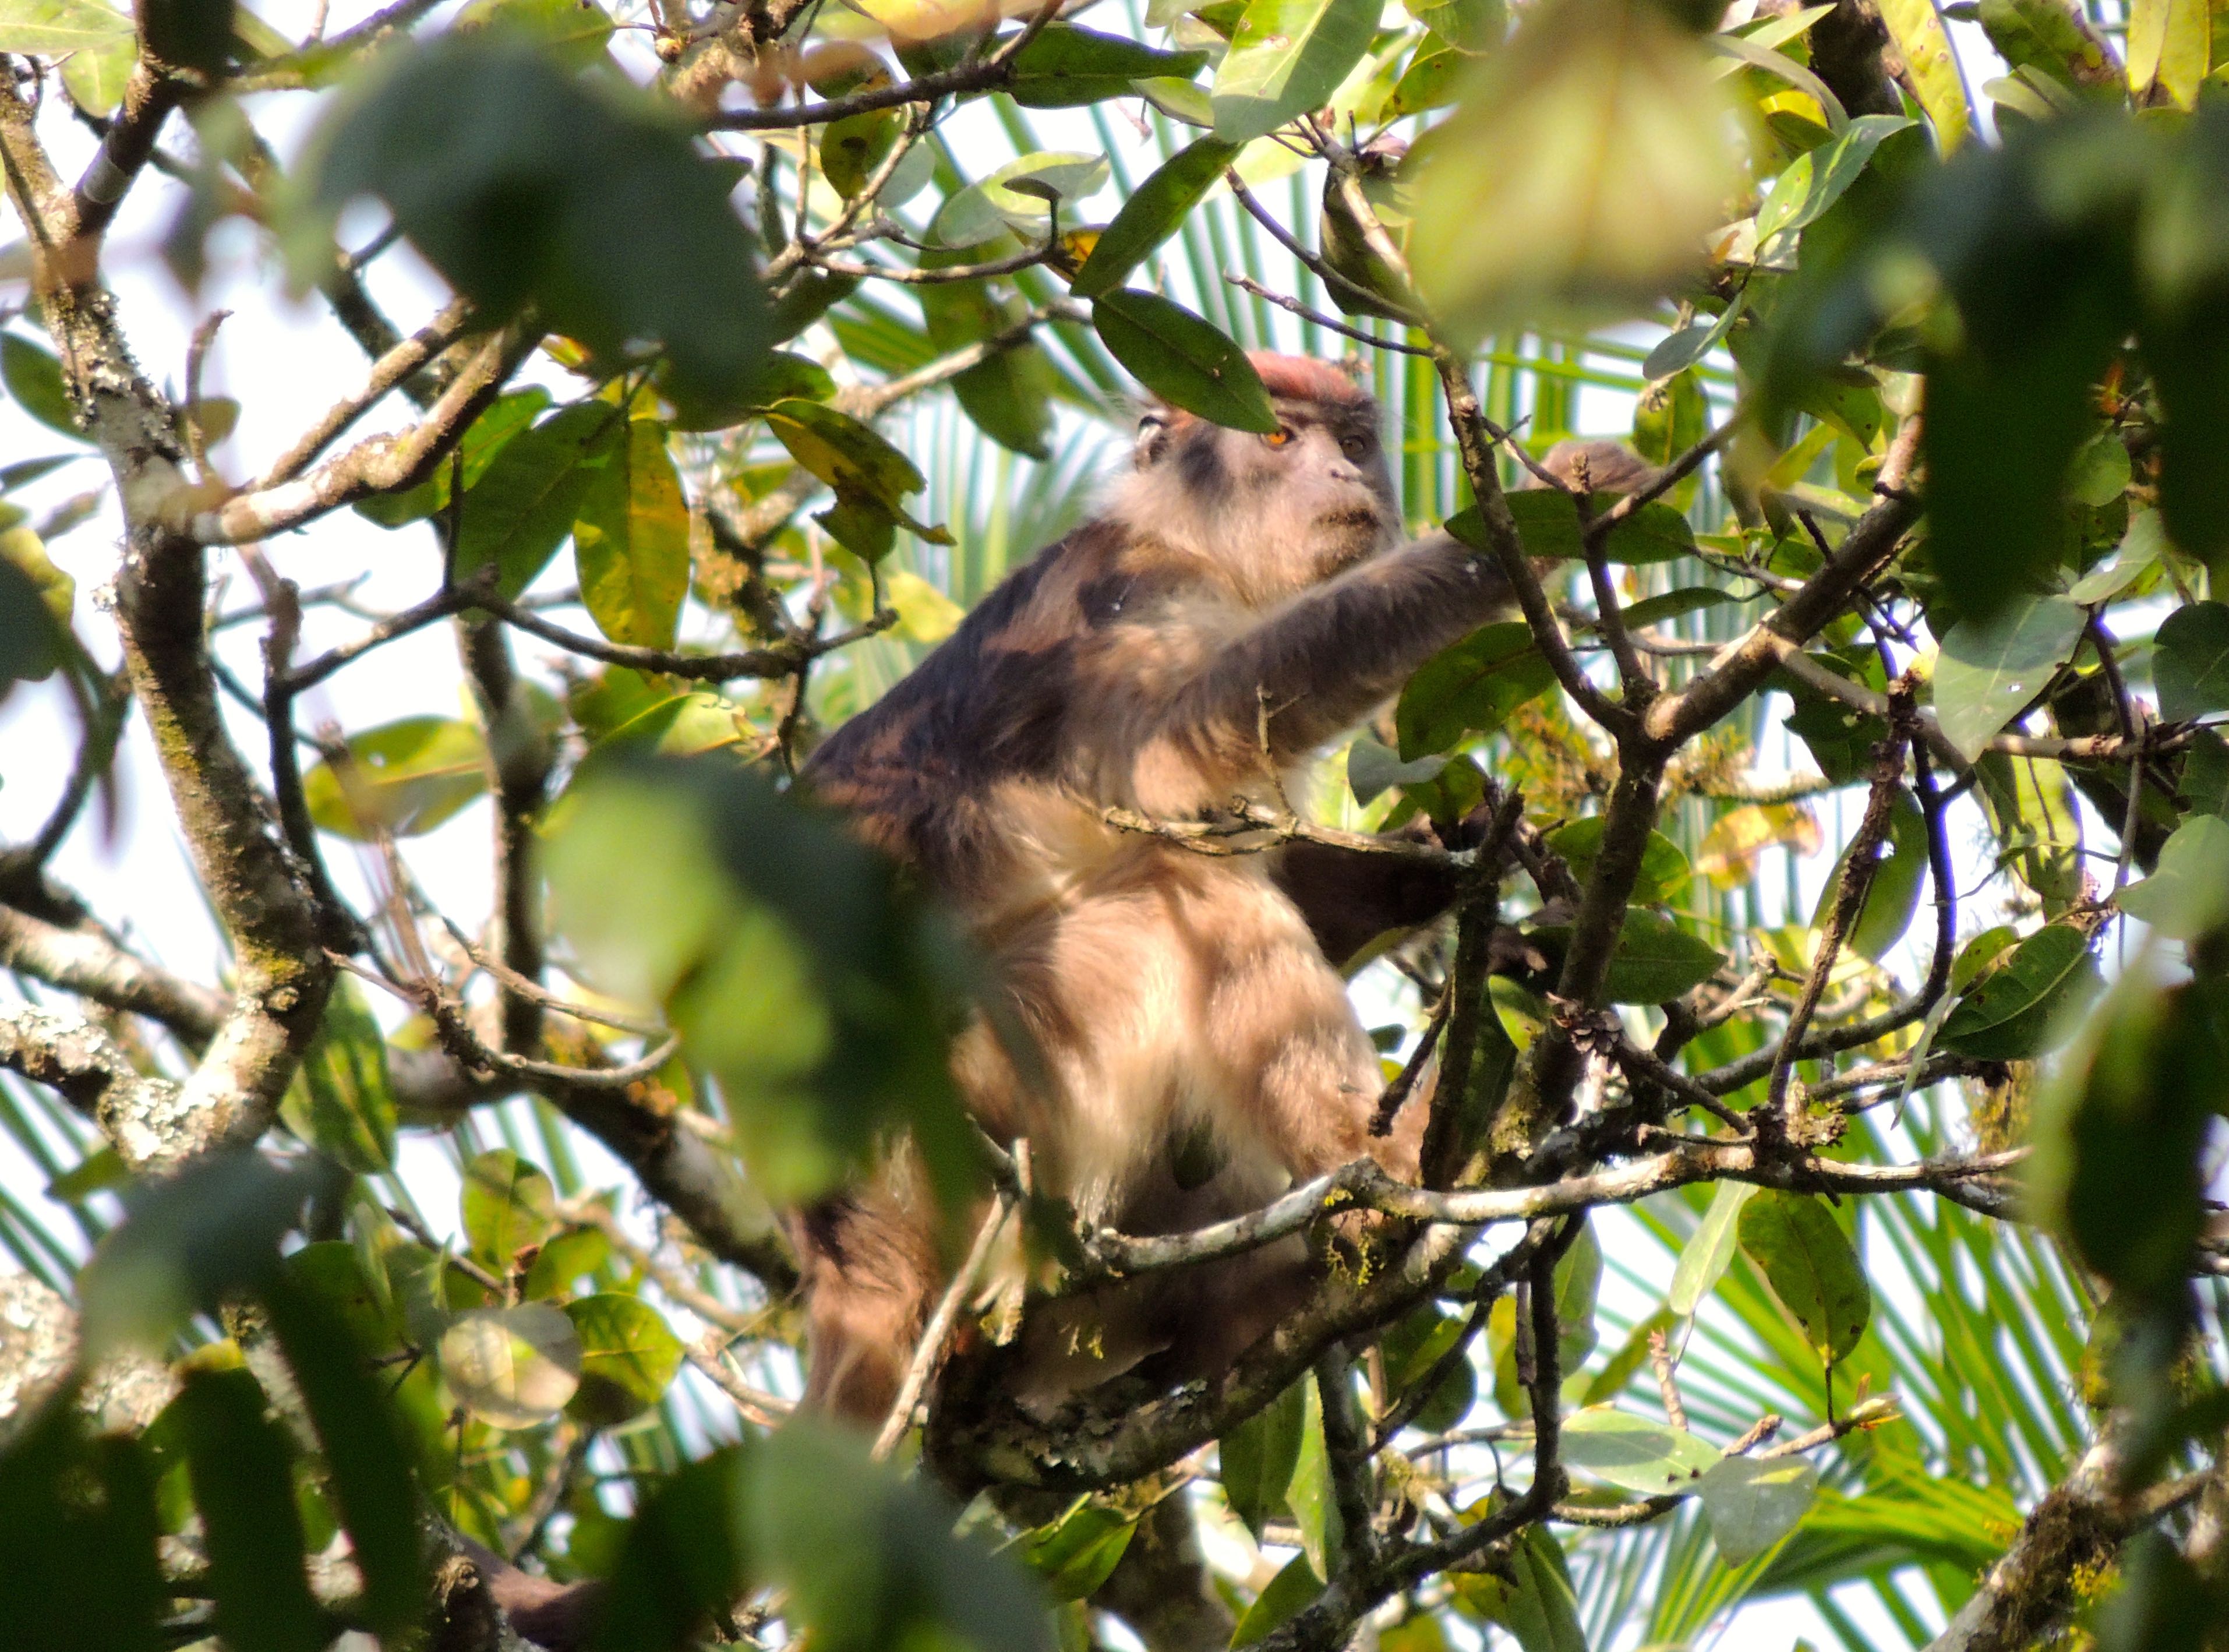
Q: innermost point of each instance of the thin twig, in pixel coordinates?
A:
(928, 1353)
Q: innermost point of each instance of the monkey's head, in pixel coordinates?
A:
(1277, 512)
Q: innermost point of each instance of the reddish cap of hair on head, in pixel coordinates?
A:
(1305, 378)
(1294, 378)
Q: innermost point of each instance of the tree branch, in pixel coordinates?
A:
(162, 592)
(376, 464)
(984, 74)
(1362, 1183)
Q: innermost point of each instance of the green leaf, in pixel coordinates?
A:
(34, 377)
(1598, 129)
(2017, 1011)
(2205, 773)
(810, 295)
(2100, 473)
(483, 439)
(1988, 669)
(1670, 415)
(563, 1260)
(332, 1272)
(1632, 1452)
(2043, 34)
(96, 76)
(847, 455)
(1372, 769)
(2189, 893)
(798, 970)
(1471, 687)
(101, 1170)
(1075, 1554)
(1309, 1498)
(189, 1240)
(1710, 1251)
(2190, 661)
(1153, 212)
(1286, 57)
(1893, 895)
(24, 472)
(1009, 396)
(1534, 1602)
(1016, 198)
(631, 539)
(1801, 1249)
(523, 182)
(402, 778)
(524, 503)
(1673, 605)
(851, 148)
(1257, 1457)
(871, 1558)
(1578, 1283)
(1921, 35)
(1656, 962)
(78, 1525)
(341, 1101)
(1066, 66)
(31, 644)
(1751, 1505)
(1607, 1384)
(1814, 181)
(687, 1554)
(628, 1357)
(2139, 552)
(507, 1204)
(1293, 1588)
(366, 1457)
(2032, 809)
(1467, 25)
(1548, 522)
(242, 1471)
(575, 34)
(1430, 81)
(1410, 1350)
(2117, 1133)
(1663, 866)
(52, 28)
(1182, 359)
(512, 1367)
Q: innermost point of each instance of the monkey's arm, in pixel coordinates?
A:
(1319, 664)
(1351, 898)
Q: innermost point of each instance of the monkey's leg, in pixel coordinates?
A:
(870, 1272)
(1292, 1057)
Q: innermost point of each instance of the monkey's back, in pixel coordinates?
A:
(990, 760)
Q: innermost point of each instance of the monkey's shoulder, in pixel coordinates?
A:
(1049, 645)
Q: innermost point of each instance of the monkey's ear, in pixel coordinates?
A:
(1153, 439)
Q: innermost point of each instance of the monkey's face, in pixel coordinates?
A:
(1280, 513)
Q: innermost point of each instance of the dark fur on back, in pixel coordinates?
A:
(991, 704)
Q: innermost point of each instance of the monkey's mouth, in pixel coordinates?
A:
(1349, 521)
(1351, 534)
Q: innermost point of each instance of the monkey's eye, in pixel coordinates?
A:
(1354, 447)
(1278, 437)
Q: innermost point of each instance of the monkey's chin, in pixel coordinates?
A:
(1342, 545)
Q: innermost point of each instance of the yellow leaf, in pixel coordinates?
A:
(1731, 847)
(925, 614)
(1920, 34)
(2170, 44)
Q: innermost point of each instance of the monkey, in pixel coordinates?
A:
(1240, 601)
